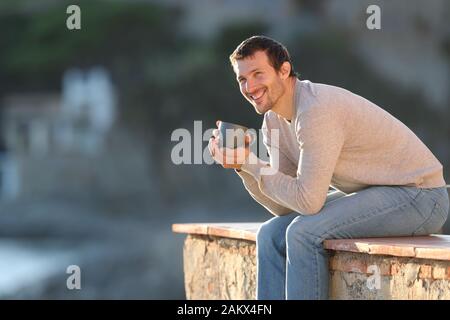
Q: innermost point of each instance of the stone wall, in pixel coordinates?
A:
(225, 268)
(219, 268)
(352, 276)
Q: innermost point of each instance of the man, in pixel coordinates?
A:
(388, 183)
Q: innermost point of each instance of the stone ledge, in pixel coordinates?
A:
(220, 263)
(243, 231)
(436, 247)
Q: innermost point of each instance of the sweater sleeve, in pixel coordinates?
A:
(251, 185)
(320, 137)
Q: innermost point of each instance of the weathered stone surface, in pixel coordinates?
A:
(436, 247)
(398, 278)
(237, 230)
(426, 247)
(219, 268)
(223, 268)
(220, 263)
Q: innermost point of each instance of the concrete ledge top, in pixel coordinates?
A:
(436, 247)
(244, 230)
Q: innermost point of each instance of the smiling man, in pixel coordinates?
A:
(386, 181)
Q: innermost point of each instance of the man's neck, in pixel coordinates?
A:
(285, 105)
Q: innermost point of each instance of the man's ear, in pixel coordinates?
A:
(285, 70)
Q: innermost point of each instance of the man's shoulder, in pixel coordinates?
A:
(317, 88)
(321, 94)
(315, 99)
(270, 119)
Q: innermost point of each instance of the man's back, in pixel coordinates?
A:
(365, 144)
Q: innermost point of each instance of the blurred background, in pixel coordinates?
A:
(86, 176)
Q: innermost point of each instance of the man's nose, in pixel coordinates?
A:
(249, 86)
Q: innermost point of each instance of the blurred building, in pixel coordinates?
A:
(88, 109)
(64, 143)
(26, 127)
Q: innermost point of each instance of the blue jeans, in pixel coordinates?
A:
(291, 260)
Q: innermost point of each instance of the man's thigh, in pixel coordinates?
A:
(379, 211)
(334, 195)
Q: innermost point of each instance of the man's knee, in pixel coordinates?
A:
(303, 229)
(266, 231)
(272, 230)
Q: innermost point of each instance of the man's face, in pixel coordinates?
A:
(259, 83)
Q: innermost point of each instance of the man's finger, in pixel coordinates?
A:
(210, 146)
(218, 156)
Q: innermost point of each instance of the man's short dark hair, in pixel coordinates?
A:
(276, 52)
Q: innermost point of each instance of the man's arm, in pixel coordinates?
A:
(250, 183)
(321, 137)
(252, 187)
(284, 164)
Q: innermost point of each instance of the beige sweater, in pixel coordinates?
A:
(339, 139)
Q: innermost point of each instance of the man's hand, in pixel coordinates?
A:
(228, 158)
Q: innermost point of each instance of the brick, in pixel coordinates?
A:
(425, 272)
(385, 268)
(395, 268)
(348, 265)
(439, 273)
(359, 263)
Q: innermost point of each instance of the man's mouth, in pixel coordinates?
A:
(257, 95)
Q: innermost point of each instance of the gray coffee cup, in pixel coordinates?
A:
(232, 135)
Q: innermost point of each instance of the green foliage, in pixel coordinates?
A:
(39, 42)
(234, 34)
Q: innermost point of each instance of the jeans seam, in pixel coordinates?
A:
(316, 275)
(428, 218)
(444, 214)
(316, 268)
(438, 205)
(418, 194)
(348, 222)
